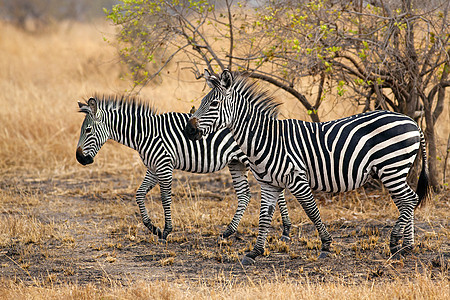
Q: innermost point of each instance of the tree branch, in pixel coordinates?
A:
(440, 90)
(291, 91)
(319, 94)
(230, 20)
(207, 46)
(163, 66)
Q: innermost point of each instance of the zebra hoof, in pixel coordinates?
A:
(324, 254)
(396, 252)
(407, 250)
(247, 261)
(162, 241)
(285, 238)
(227, 233)
(397, 256)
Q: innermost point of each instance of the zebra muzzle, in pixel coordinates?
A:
(191, 130)
(83, 159)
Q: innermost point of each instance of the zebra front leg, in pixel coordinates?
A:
(269, 196)
(284, 218)
(240, 183)
(302, 193)
(147, 184)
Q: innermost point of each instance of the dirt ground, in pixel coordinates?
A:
(89, 231)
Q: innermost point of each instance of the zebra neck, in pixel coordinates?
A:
(250, 132)
(129, 130)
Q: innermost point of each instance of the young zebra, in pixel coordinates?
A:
(162, 145)
(334, 156)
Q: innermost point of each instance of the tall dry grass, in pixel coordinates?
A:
(420, 287)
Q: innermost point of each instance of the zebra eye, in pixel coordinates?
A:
(88, 130)
(214, 104)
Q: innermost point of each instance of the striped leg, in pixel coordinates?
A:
(164, 174)
(405, 199)
(269, 196)
(240, 183)
(284, 218)
(408, 236)
(147, 184)
(302, 192)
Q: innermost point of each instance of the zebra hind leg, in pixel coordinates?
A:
(408, 237)
(302, 193)
(166, 198)
(284, 218)
(147, 184)
(405, 199)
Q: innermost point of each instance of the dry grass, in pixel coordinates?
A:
(57, 213)
(419, 287)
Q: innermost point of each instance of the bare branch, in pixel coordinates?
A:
(319, 94)
(163, 66)
(290, 90)
(230, 24)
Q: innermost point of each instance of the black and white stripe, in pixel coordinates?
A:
(333, 156)
(163, 146)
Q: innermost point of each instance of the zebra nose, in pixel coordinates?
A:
(191, 130)
(83, 159)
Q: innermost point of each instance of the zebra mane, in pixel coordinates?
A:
(114, 102)
(258, 98)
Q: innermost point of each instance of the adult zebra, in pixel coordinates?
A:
(333, 156)
(162, 145)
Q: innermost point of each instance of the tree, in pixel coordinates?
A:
(379, 53)
(391, 54)
(201, 34)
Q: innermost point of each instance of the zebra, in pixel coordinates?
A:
(334, 156)
(163, 147)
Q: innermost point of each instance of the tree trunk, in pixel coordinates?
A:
(432, 153)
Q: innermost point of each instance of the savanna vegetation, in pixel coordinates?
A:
(72, 231)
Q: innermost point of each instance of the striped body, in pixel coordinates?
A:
(163, 147)
(335, 156)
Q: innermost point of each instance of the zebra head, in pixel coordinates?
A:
(94, 132)
(212, 114)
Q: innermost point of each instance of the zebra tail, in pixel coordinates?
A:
(423, 186)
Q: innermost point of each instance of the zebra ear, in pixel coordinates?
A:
(92, 103)
(84, 108)
(226, 79)
(211, 80)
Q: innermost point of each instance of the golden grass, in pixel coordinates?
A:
(41, 78)
(419, 287)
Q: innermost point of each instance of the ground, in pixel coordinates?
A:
(72, 229)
